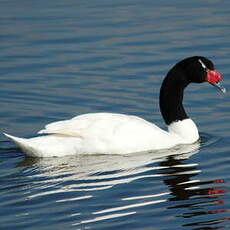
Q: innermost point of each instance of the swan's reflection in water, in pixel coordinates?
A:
(194, 199)
(104, 187)
(94, 172)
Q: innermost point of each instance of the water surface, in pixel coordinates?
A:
(61, 59)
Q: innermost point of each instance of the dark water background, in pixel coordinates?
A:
(59, 59)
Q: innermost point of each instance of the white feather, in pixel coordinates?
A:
(106, 133)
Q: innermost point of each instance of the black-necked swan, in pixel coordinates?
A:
(111, 133)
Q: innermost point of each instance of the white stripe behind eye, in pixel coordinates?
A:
(203, 65)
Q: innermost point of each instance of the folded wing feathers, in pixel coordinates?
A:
(67, 128)
(77, 126)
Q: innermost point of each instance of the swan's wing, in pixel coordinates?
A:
(101, 124)
(82, 125)
(72, 127)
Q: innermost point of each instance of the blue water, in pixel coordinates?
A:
(60, 59)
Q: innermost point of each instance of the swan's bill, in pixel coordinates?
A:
(219, 86)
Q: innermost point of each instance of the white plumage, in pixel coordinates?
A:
(106, 133)
(110, 133)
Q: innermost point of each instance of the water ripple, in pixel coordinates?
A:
(82, 179)
(60, 60)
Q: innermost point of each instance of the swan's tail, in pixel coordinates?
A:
(47, 146)
(23, 144)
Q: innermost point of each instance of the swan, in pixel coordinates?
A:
(111, 133)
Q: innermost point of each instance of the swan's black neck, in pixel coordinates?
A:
(171, 95)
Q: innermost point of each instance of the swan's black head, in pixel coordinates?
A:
(199, 69)
(190, 70)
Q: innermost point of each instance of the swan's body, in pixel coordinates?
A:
(109, 133)
(106, 133)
